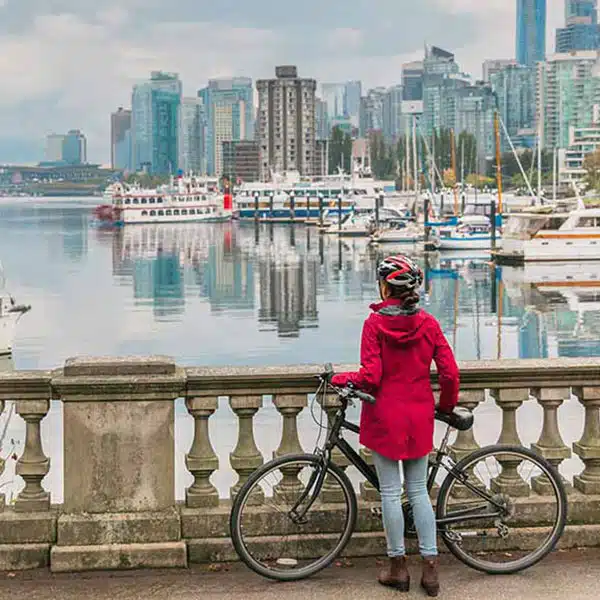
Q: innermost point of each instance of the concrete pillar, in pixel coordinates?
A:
(119, 492)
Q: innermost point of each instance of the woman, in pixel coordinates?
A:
(399, 343)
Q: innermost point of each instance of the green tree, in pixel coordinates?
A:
(591, 164)
(340, 151)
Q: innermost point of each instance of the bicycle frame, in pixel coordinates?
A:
(335, 440)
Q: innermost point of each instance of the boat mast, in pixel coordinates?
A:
(540, 136)
(498, 160)
(432, 163)
(554, 174)
(453, 153)
(407, 158)
(414, 141)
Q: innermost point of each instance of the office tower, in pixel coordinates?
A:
(74, 150)
(581, 31)
(531, 31)
(53, 152)
(412, 81)
(120, 139)
(191, 136)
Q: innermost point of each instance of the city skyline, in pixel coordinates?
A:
(45, 44)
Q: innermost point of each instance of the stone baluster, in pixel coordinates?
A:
(465, 442)
(2, 463)
(509, 480)
(246, 457)
(588, 447)
(201, 460)
(550, 445)
(332, 491)
(33, 465)
(289, 406)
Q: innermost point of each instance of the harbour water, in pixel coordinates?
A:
(209, 294)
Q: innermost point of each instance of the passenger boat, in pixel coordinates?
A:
(552, 236)
(10, 314)
(185, 199)
(472, 232)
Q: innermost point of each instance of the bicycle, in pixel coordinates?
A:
(329, 527)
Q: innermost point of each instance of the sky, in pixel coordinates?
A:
(67, 64)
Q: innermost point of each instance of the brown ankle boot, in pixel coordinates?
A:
(430, 580)
(396, 574)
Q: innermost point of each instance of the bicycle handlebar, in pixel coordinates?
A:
(363, 396)
(349, 390)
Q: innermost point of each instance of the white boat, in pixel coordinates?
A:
(10, 314)
(399, 232)
(473, 232)
(354, 225)
(553, 236)
(186, 199)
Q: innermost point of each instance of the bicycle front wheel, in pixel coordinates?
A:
(293, 517)
(507, 515)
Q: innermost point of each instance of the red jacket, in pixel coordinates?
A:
(396, 355)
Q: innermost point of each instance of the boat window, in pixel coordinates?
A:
(159, 199)
(152, 213)
(136, 201)
(161, 213)
(127, 201)
(203, 197)
(176, 211)
(587, 222)
(144, 201)
(184, 211)
(144, 213)
(192, 211)
(152, 200)
(168, 213)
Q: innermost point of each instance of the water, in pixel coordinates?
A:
(209, 294)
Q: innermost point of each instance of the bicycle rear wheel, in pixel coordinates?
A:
(529, 523)
(285, 525)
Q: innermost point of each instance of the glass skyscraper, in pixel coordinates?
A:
(229, 110)
(531, 31)
(155, 123)
(581, 31)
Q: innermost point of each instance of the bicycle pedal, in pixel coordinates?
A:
(376, 512)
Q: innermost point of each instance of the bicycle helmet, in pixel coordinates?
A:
(400, 272)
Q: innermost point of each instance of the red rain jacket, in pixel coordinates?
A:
(396, 355)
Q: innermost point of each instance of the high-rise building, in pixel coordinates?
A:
(155, 108)
(491, 67)
(322, 121)
(475, 107)
(581, 31)
(229, 108)
(531, 31)
(514, 87)
(286, 122)
(412, 81)
(568, 90)
(53, 152)
(120, 139)
(352, 96)
(442, 79)
(74, 150)
(191, 136)
(371, 113)
(393, 121)
(241, 160)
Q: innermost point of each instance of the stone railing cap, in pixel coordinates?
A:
(107, 366)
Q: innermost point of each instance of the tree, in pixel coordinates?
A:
(591, 164)
(340, 151)
(383, 161)
(449, 178)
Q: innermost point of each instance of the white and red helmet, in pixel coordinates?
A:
(400, 272)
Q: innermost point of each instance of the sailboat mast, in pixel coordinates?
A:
(453, 153)
(540, 136)
(407, 157)
(414, 141)
(498, 160)
(432, 167)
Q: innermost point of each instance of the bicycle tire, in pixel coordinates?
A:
(532, 558)
(239, 504)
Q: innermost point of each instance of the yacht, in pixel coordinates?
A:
(472, 232)
(552, 236)
(402, 231)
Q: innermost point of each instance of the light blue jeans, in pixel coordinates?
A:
(390, 483)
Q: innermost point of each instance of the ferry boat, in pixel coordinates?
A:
(553, 236)
(290, 197)
(472, 232)
(10, 314)
(185, 199)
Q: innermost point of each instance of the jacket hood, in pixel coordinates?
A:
(399, 324)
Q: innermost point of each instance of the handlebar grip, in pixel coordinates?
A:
(364, 397)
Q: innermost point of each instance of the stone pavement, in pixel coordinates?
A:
(566, 574)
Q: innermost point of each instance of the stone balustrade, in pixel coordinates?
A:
(118, 417)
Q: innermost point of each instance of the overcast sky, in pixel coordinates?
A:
(66, 64)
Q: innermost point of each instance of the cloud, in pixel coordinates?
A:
(71, 62)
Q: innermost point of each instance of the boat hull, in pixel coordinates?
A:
(466, 243)
(556, 249)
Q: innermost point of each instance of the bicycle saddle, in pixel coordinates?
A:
(460, 418)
